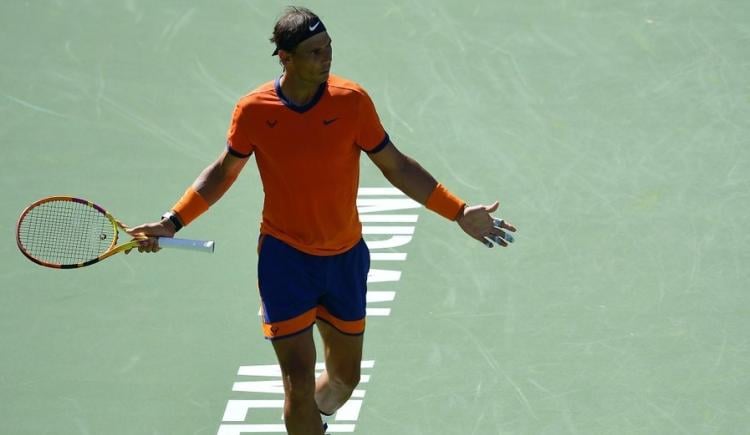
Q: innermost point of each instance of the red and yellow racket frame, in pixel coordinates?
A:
(111, 250)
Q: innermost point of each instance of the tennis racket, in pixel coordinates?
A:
(66, 233)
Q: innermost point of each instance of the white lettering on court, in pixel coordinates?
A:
(262, 411)
(387, 229)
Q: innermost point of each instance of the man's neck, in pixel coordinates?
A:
(298, 91)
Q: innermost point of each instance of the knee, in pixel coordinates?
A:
(346, 379)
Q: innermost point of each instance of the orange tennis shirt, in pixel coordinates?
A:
(308, 159)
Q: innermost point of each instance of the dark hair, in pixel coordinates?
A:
(292, 28)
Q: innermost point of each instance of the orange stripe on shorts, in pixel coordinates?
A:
(351, 327)
(289, 327)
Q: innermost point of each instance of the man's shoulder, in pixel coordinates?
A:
(341, 86)
(263, 93)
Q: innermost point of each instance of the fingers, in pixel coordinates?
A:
(493, 239)
(145, 243)
(497, 234)
(149, 244)
(503, 224)
(499, 237)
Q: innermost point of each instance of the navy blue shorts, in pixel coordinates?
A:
(297, 288)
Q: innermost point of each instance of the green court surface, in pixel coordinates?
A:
(615, 135)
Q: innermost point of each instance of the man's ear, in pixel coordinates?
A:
(285, 58)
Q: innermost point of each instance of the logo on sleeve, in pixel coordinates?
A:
(271, 124)
(329, 121)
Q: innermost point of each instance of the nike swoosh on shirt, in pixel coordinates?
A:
(312, 28)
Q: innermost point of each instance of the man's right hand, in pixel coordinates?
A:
(148, 234)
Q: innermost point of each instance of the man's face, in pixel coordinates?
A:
(311, 60)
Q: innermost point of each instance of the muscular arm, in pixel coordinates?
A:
(404, 173)
(214, 181)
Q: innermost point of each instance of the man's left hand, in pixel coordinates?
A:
(478, 223)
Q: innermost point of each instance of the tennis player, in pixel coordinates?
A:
(307, 130)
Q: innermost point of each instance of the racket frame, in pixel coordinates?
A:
(111, 250)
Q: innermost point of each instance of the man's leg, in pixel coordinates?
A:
(343, 357)
(296, 356)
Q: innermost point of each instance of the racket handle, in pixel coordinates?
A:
(191, 245)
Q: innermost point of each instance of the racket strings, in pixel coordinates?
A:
(66, 232)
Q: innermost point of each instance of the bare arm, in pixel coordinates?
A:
(212, 183)
(404, 173)
(411, 178)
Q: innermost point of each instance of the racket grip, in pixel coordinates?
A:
(191, 245)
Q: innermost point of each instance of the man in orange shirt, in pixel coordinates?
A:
(307, 130)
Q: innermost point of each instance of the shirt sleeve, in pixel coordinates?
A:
(238, 136)
(371, 135)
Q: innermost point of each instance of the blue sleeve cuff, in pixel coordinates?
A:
(386, 140)
(234, 152)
